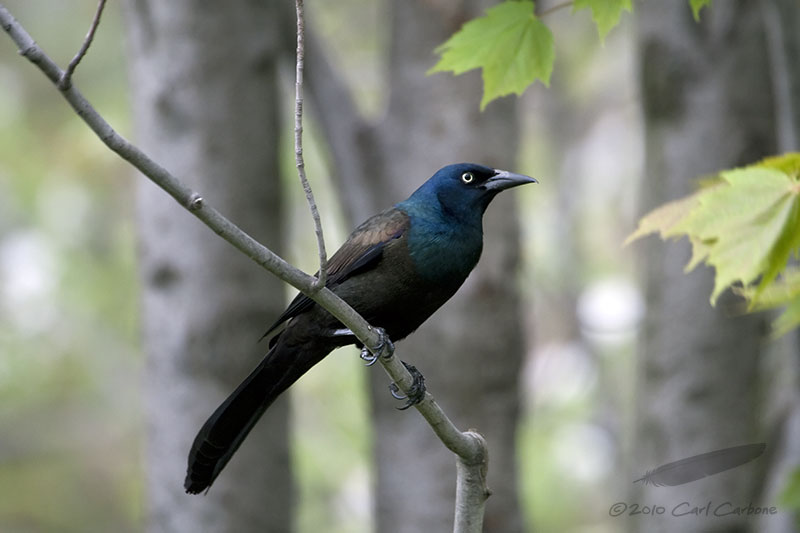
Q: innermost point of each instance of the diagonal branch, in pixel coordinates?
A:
(185, 196)
(298, 146)
(66, 78)
(468, 445)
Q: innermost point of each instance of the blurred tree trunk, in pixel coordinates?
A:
(470, 351)
(781, 21)
(203, 78)
(709, 103)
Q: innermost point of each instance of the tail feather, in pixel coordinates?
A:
(224, 431)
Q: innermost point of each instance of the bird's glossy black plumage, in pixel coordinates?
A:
(395, 269)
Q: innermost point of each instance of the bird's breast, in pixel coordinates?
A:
(415, 276)
(442, 254)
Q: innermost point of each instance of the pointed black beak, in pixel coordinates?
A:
(504, 179)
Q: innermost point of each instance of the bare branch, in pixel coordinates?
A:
(66, 78)
(466, 445)
(471, 489)
(186, 197)
(298, 147)
(349, 136)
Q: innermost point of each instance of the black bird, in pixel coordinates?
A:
(395, 269)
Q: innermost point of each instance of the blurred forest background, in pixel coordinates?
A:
(610, 361)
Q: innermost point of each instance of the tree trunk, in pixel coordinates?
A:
(708, 104)
(781, 20)
(471, 350)
(203, 78)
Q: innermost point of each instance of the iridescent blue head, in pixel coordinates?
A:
(463, 191)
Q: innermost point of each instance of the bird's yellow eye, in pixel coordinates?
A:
(467, 177)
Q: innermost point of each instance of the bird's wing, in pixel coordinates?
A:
(361, 251)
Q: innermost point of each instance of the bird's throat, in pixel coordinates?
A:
(443, 254)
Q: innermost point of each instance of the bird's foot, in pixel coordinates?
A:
(384, 348)
(416, 393)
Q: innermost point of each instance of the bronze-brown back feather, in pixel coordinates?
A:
(362, 248)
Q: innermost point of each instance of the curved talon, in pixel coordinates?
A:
(394, 390)
(416, 393)
(384, 348)
(368, 357)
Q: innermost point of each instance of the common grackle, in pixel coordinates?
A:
(395, 269)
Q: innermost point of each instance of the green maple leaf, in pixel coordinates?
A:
(697, 5)
(789, 320)
(789, 164)
(700, 251)
(510, 45)
(605, 13)
(664, 219)
(751, 222)
(746, 224)
(785, 291)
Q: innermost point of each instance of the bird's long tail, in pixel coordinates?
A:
(225, 430)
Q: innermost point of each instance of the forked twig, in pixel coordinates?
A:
(66, 77)
(469, 446)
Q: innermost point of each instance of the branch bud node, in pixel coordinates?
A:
(195, 202)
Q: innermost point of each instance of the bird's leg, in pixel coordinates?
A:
(416, 393)
(384, 348)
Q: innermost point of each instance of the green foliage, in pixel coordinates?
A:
(790, 497)
(511, 45)
(784, 291)
(746, 224)
(605, 13)
(697, 5)
(514, 48)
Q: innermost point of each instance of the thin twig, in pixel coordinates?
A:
(298, 146)
(555, 8)
(342, 122)
(466, 445)
(66, 78)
